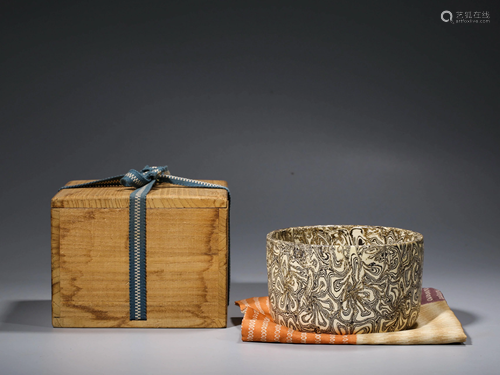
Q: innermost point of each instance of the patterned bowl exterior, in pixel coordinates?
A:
(345, 279)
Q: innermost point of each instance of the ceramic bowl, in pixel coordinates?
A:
(345, 279)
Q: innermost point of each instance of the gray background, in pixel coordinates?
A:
(372, 113)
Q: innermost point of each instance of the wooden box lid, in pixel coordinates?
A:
(163, 195)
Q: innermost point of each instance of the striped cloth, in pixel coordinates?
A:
(436, 324)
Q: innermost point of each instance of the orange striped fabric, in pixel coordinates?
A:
(258, 325)
(436, 324)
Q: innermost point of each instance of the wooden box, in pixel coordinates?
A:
(186, 257)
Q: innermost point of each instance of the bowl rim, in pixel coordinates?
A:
(418, 236)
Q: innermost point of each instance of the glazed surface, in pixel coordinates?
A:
(345, 279)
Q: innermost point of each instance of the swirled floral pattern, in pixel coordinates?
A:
(345, 279)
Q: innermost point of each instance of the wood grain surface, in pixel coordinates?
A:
(186, 261)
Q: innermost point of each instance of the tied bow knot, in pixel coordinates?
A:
(138, 179)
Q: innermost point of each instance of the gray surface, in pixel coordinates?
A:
(320, 113)
(29, 345)
(359, 112)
